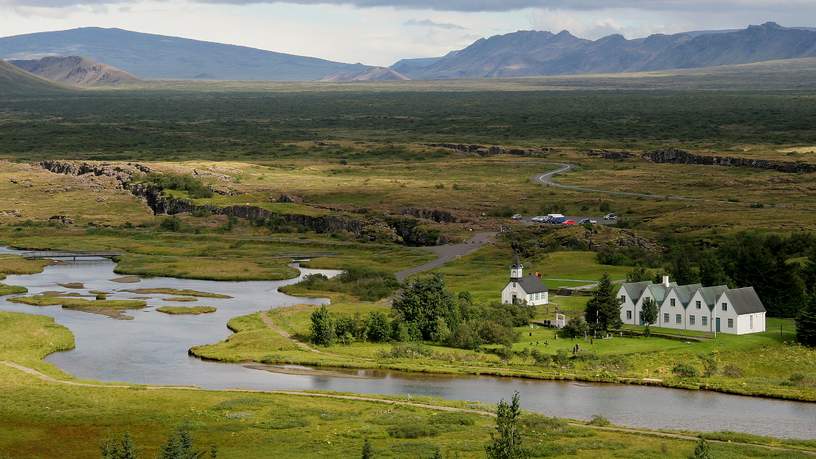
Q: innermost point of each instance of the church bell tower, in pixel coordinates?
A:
(517, 270)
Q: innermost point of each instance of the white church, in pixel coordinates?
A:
(521, 289)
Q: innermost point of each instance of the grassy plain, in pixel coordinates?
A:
(186, 310)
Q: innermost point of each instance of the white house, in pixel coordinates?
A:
(694, 307)
(523, 289)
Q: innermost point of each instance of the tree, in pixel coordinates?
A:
(603, 309)
(119, 449)
(180, 446)
(806, 324)
(368, 451)
(638, 274)
(506, 442)
(649, 312)
(424, 301)
(702, 450)
(681, 271)
(574, 328)
(377, 327)
(712, 271)
(322, 327)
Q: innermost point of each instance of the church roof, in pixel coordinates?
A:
(532, 284)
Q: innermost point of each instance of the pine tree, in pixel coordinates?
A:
(368, 451)
(119, 449)
(603, 309)
(711, 271)
(806, 324)
(506, 442)
(702, 450)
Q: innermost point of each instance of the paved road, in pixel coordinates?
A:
(546, 179)
(448, 253)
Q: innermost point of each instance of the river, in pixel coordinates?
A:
(152, 349)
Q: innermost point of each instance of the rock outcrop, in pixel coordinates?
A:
(677, 156)
(492, 150)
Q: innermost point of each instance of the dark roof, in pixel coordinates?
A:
(532, 284)
(685, 292)
(659, 291)
(710, 294)
(745, 300)
(635, 289)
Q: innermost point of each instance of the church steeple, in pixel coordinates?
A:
(517, 270)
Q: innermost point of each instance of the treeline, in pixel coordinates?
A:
(426, 311)
(782, 269)
(364, 283)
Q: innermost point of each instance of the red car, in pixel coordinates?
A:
(569, 222)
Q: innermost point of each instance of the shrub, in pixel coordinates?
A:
(323, 332)
(732, 371)
(187, 183)
(378, 329)
(575, 328)
(710, 364)
(599, 420)
(412, 431)
(685, 370)
(407, 351)
(171, 224)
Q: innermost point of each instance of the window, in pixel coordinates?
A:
(691, 320)
(678, 319)
(623, 298)
(666, 317)
(705, 321)
(730, 323)
(725, 306)
(752, 321)
(672, 302)
(628, 315)
(699, 306)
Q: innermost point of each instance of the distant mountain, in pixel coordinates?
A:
(150, 56)
(369, 74)
(17, 82)
(75, 70)
(532, 53)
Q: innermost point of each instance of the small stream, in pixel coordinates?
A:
(152, 349)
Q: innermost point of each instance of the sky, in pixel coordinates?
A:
(380, 32)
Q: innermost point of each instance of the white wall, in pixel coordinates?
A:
(628, 305)
(674, 312)
(698, 314)
(513, 288)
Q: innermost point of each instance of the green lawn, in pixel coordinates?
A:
(485, 272)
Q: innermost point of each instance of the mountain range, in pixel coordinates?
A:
(533, 53)
(156, 57)
(518, 54)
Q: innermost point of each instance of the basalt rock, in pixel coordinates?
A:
(123, 174)
(677, 156)
(611, 154)
(436, 215)
(492, 150)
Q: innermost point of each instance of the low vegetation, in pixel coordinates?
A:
(177, 292)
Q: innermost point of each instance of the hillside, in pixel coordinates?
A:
(75, 70)
(368, 74)
(150, 56)
(16, 82)
(533, 53)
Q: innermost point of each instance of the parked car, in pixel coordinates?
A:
(539, 219)
(610, 217)
(516, 216)
(587, 221)
(568, 222)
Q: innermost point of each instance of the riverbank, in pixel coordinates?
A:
(763, 365)
(48, 413)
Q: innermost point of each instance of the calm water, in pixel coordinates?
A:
(152, 349)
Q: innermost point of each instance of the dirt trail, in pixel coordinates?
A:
(285, 334)
(447, 253)
(625, 430)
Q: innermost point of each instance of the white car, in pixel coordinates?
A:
(539, 219)
(517, 216)
(610, 217)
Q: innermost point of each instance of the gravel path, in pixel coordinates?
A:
(447, 253)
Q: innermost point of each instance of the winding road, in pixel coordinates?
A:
(447, 253)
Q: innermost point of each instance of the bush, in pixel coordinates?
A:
(378, 329)
(412, 431)
(171, 224)
(685, 370)
(732, 371)
(192, 186)
(710, 364)
(366, 284)
(407, 351)
(600, 421)
(575, 328)
(323, 332)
